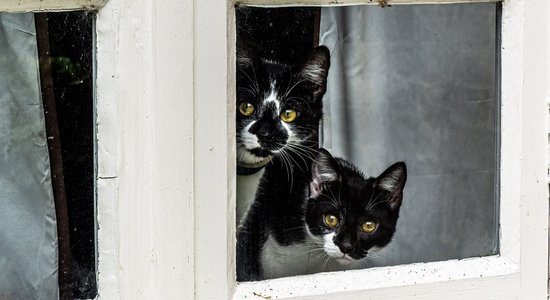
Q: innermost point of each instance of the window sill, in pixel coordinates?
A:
(480, 274)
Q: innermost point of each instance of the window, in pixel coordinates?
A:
(412, 83)
(306, 286)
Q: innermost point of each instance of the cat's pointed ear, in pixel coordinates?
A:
(323, 171)
(315, 70)
(392, 181)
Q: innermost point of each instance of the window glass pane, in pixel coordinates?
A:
(71, 56)
(47, 222)
(418, 84)
(414, 84)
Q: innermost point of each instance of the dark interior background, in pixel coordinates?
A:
(71, 45)
(281, 34)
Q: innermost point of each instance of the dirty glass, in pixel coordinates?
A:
(417, 84)
(71, 57)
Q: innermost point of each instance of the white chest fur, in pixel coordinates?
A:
(246, 190)
(307, 257)
(296, 259)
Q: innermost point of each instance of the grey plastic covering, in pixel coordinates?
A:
(418, 84)
(28, 235)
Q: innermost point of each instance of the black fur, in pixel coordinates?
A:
(355, 199)
(278, 210)
(284, 184)
(296, 89)
(330, 186)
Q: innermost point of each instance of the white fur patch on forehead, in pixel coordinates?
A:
(273, 97)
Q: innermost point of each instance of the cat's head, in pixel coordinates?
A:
(351, 214)
(278, 105)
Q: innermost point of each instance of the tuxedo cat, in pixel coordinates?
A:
(279, 107)
(326, 221)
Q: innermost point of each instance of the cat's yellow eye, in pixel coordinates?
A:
(369, 227)
(289, 115)
(246, 109)
(331, 221)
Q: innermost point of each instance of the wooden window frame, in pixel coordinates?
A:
(165, 71)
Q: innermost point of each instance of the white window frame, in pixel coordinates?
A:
(166, 161)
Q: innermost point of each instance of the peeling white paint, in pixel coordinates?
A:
(145, 149)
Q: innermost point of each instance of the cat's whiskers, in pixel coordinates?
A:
(255, 78)
(377, 258)
(318, 257)
(308, 126)
(301, 157)
(250, 89)
(295, 98)
(334, 197)
(303, 149)
(303, 152)
(326, 262)
(304, 141)
(373, 203)
(290, 172)
(301, 100)
(365, 262)
(288, 167)
(254, 83)
(288, 85)
(294, 228)
(332, 201)
(311, 250)
(295, 85)
(304, 253)
(309, 134)
(291, 150)
(288, 152)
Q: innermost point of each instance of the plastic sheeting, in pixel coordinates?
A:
(28, 235)
(418, 84)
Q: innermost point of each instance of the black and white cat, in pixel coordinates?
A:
(330, 221)
(279, 107)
